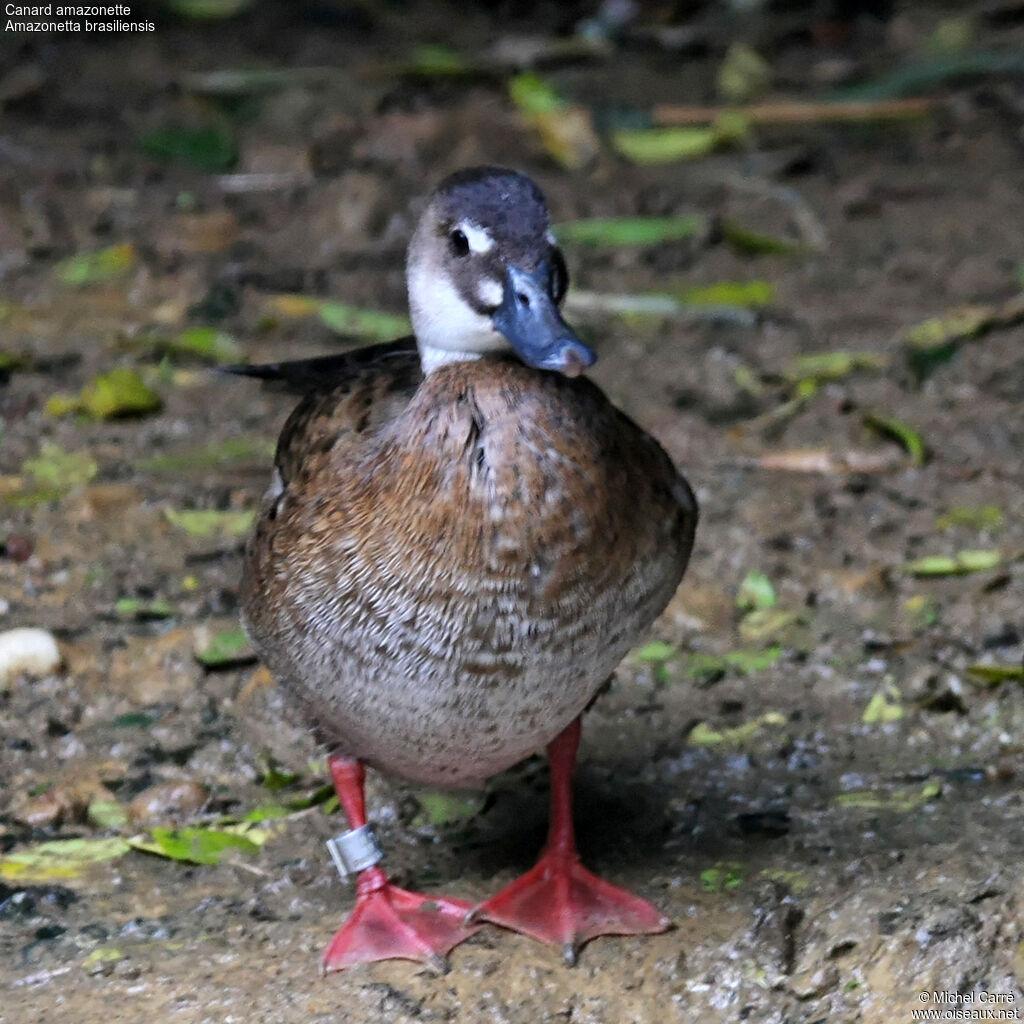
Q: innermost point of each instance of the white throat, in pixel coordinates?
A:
(447, 328)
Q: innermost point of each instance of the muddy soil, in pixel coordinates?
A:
(856, 845)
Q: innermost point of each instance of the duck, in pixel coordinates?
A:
(461, 540)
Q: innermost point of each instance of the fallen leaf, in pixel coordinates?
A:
(881, 710)
(955, 565)
(565, 131)
(199, 845)
(983, 517)
(751, 243)
(756, 592)
(119, 393)
(899, 800)
(702, 735)
(657, 650)
(743, 74)
(825, 366)
(624, 231)
(215, 455)
(208, 522)
(62, 470)
(439, 808)
(208, 343)
(59, 858)
(723, 877)
(731, 293)
(371, 324)
(96, 267)
(209, 147)
(648, 146)
(993, 675)
(137, 608)
(225, 649)
(909, 438)
(107, 814)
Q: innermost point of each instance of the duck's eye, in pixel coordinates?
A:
(459, 243)
(559, 275)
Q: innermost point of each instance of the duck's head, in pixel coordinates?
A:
(486, 275)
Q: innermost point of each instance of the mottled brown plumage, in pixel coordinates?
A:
(452, 565)
(461, 541)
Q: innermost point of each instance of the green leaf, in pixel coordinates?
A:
(983, 517)
(102, 955)
(197, 845)
(751, 243)
(95, 267)
(207, 522)
(616, 231)
(119, 393)
(215, 455)
(11, 360)
(766, 623)
(207, 343)
(436, 61)
(704, 666)
(533, 95)
(756, 591)
(270, 812)
(439, 808)
(370, 324)
(58, 469)
(275, 778)
(657, 650)
(922, 610)
(230, 647)
(910, 439)
(647, 146)
(137, 608)
(723, 877)
(825, 366)
(881, 710)
(106, 814)
(899, 800)
(731, 293)
(702, 735)
(209, 148)
(59, 858)
(133, 720)
(743, 75)
(956, 565)
(993, 675)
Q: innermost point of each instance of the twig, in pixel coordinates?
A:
(798, 112)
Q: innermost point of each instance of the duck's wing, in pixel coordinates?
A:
(302, 376)
(346, 399)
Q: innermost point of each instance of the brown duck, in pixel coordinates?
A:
(462, 539)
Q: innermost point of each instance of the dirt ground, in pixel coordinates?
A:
(832, 818)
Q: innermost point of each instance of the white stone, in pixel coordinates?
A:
(31, 652)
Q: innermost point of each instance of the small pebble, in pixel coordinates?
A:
(174, 799)
(18, 548)
(31, 652)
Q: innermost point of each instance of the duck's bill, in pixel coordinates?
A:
(529, 318)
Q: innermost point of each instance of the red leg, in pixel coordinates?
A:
(388, 922)
(559, 901)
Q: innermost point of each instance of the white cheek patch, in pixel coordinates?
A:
(551, 240)
(442, 319)
(479, 238)
(490, 292)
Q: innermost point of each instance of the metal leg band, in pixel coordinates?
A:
(355, 851)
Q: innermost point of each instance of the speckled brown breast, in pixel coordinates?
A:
(452, 566)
